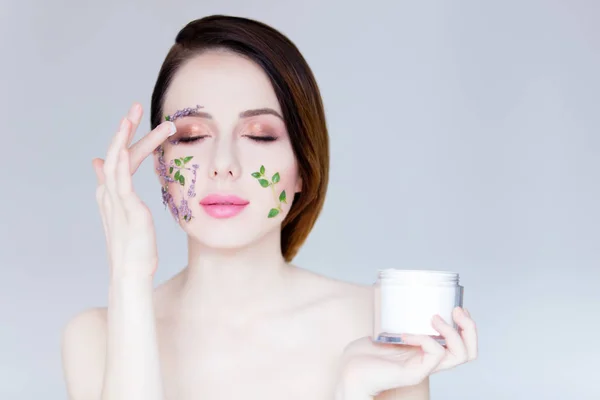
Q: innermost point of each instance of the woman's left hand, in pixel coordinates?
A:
(369, 368)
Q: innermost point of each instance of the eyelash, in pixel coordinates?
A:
(262, 138)
(192, 139)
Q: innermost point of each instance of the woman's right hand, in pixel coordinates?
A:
(128, 225)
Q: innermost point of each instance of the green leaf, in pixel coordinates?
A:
(187, 159)
(273, 212)
(177, 162)
(262, 169)
(182, 179)
(282, 197)
(275, 178)
(167, 118)
(170, 170)
(177, 175)
(263, 182)
(256, 174)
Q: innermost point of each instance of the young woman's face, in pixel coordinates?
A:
(230, 170)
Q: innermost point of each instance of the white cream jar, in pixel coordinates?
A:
(406, 301)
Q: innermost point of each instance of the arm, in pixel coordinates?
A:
(115, 357)
(132, 365)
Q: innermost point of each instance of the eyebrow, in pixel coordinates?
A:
(244, 114)
(259, 111)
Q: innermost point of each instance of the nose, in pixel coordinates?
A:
(224, 164)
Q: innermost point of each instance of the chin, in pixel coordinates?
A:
(230, 233)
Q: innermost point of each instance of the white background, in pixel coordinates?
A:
(464, 134)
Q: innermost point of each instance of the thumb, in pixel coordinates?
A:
(98, 165)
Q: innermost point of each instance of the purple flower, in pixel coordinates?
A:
(184, 112)
(183, 211)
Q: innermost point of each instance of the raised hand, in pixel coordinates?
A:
(128, 224)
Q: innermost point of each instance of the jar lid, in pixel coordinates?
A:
(417, 276)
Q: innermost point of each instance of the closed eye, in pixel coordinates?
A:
(190, 139)
(262, 138)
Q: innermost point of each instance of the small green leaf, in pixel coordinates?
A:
(177, 162)
(262, 169)
(177, 175)
(275, 178)
(187, 159)
(263, 182)
(282, 197)
(170, 170)
(182, 179)
(167, 118)
(273, 212)
(256, 174)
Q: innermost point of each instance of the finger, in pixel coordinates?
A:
(125, 184)
(367, 346)
(146, 145)
(98, 165)
(454, 342)
(433, 352)
(134, 116)
(468, 333)
(112, 157)
(123, 176)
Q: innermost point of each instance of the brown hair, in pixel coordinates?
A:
(296, 90)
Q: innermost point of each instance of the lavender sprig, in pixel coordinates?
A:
(183, 211)
(183, 113)
(179, 114)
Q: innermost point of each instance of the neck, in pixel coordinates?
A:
(234, 282)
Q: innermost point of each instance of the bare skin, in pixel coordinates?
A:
(238, 321)
(289, 349)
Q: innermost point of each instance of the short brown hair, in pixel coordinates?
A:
(296, 90)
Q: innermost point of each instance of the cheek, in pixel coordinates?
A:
(178, 171)
(275, 175)
(184, 159)
(195, 153)
(278, 162)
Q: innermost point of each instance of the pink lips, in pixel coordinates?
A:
(223, 206)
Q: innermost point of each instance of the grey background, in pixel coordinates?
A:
(465, 136)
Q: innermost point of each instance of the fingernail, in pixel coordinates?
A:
(467, 312)
(173, 128)
(123, 124)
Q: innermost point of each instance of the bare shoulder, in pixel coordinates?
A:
(348, 308)
(83, 353)
(350, 305)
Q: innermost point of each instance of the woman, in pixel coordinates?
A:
(240, 146)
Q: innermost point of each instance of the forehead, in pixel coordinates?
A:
(222, 82)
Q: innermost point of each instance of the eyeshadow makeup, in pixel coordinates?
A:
(265, 182)
(185, 112)
(406, 301)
